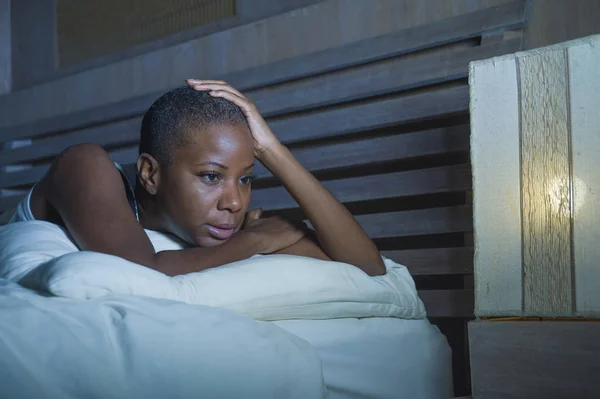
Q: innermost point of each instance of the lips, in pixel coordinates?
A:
(221, 232)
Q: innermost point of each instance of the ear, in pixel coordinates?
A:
(148, 171)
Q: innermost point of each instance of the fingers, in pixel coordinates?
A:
(206, 85)
(241, 102)
(191, 82)
(255, 213)
(252, 215)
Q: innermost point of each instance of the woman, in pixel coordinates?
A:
(197, 150)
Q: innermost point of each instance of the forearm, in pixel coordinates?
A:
(305, 247)
(240, 246)
(338, 233)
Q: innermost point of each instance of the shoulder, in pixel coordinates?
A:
(81, 166)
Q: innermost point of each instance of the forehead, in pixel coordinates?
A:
(226, 142)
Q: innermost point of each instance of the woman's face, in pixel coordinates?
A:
(205, 192)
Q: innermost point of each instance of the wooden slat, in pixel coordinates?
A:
(394, 75)
(369, 80)
(546, 183)
(441, 32)
(33, 34)
(125, 109)
(5, 47)
(448, 303)
(389, 185)
(534, 359)
(22, 177)
(329, 123)
(376, 114)
(417, 222)
(112, 134)
(363, 152)
(380, 150)
(585, 141)
(9, 201)
(373, 79)
(433, 261)
(496, 189)
(508, 16)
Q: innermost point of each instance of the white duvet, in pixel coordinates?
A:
(41, 256)
(133, 347)
(77, 324)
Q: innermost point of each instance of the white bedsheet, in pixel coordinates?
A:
(379, 358)
(134, 347)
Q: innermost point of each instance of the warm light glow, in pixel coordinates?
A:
(562, 198)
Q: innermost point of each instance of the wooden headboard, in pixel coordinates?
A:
(382, 122)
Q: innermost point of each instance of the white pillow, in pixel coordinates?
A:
(271, 287)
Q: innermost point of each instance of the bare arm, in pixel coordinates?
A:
(87, 192)
(339, 235)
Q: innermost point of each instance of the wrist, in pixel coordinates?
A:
(249, 240)
(271, 154)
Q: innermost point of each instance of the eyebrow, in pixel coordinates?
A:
(222, 166)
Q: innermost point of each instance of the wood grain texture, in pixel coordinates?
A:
(546, 183)
(363, 52)
(448, 303)
(8, 202)
(322, 26)
(547, 359)
(584, 59)
(496, 191)
(439, 65)
(380, 113)
(556, 21)
(333, 156)
(33, 42)
(5, 48)
(25, 177)
(509, 16)
(448, 140)
(374, 79)
(417, 222)
(247, 11)
(324, 124)
(373, 187)
(433, 261)
(87, 30)
(110, 135)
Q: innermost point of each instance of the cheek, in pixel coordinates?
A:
(189, 201)
(198, 200)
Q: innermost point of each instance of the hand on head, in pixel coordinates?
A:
(263, 137)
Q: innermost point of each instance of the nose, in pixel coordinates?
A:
(231, 199)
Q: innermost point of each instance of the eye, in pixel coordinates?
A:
(210, 177)
(246, 180)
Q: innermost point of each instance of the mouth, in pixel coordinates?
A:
(222, 231)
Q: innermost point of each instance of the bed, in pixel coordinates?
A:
(285, 326)
(384, 124)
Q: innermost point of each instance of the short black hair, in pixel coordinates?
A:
(180, 110)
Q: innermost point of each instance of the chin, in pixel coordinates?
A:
(207, 242)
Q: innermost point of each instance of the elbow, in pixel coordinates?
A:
(161, 266)
(375, 267)
(378, 270)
